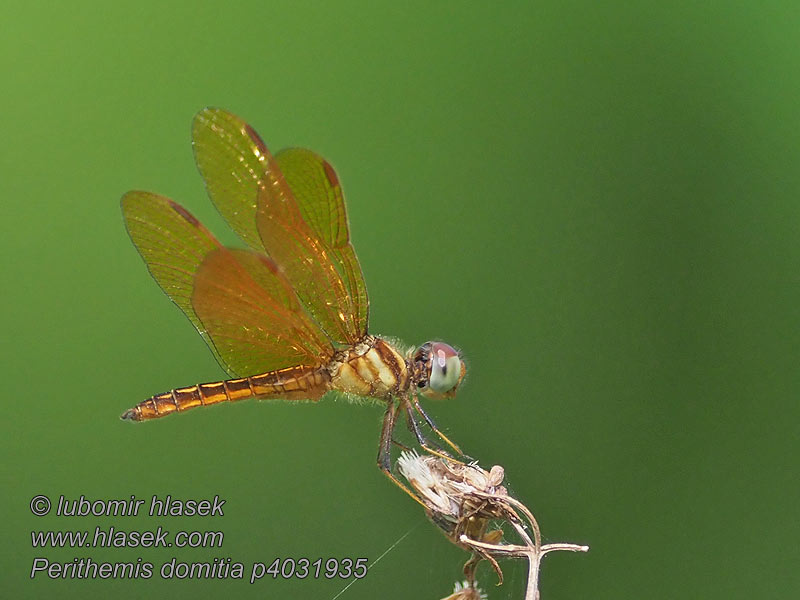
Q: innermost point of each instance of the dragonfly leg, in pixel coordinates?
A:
(385, 448)
(421, 439)
(400, 445)
(433, 426)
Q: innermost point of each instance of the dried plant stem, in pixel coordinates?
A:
(533, 551)
(467, 503)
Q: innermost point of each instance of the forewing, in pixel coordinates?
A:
(316, 188)
(232, 166)
(246, 184)
(302, 256)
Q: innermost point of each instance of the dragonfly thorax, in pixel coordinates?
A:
(373, 368)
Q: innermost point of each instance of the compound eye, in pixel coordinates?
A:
(445, 368)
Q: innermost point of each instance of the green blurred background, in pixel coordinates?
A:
(600, 205)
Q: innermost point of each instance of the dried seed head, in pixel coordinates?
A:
(426, 479)
(451, 489)
(463, 500)
(465, 591)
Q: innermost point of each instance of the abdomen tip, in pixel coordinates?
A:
(130, 415)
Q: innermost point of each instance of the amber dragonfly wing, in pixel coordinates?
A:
(239, 300)
(290, 207)
(316, 188)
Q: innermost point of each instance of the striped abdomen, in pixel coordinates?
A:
(293, 383)
(380, 372)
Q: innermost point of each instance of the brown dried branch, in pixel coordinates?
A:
(470, 505)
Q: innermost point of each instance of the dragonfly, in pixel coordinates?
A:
(286, 316)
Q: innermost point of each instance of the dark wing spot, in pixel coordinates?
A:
(184, 213)
(262, 147)
(330, 173)
(269, 263)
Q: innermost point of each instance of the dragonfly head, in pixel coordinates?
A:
(440, 369)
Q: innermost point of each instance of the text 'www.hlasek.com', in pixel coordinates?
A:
(173, 568)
